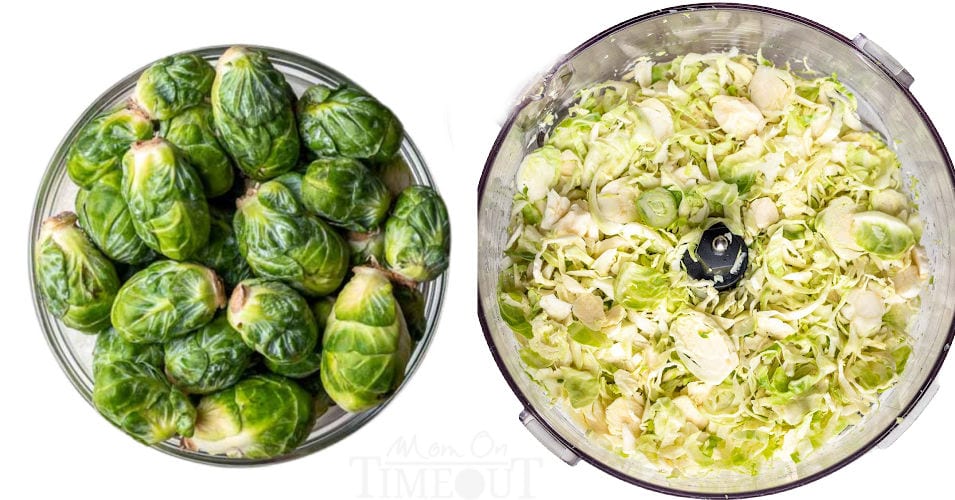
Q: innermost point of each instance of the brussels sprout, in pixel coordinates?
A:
(193, 133)
(221, 253)
(366, 248)
(252, 106)
(396, 175)
(412, 305)
(137, 398)
(418, 235)
(346, 193)
(100, 145)
(209, 359)
(657, 207)
(273, 319)
(282, 242)
(310, 364)
(111, 347)
(881, 234)
(165, 199)
(348, 122)
(366, 344)
(103, 213)
(173, 84)
(166, 300)
(834, 223)
(296, 369)
(321, 309)
(77, 282)
(260, 417)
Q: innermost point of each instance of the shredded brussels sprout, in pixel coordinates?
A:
(661, 367)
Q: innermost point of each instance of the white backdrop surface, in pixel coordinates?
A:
(449, 70)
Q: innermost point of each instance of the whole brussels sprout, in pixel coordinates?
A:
(165, 199)
(366, 344)
(166, 300)
(412, 305)
(210, 359)
(346, 193)
(77, 282)
(322, 401)
(396, 175)
(418, 235)
(366, 248)
(310, 364)
(103, 213)
(296, 369)
(282, 242)
(137, 398)
(221, 253)
(273, 319)
(100, 145)
(348, 122)
(173, 84)
(111, 347)
(193, 133)
(321, 309)
(253, 112)
(260, 417)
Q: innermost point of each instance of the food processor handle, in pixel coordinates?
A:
(548, 439)
(885, 60)
(903, 423)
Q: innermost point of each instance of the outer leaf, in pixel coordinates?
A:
(260, 417)
(366, 344)
(297, 369)
(418, 235)
(209, 359)
(193, 132)
(173, 84)
(346, 193)
(111, 348)
(348, 122)
(77, 282)
(100, 145)
(281, 242)
(273, 319)
(165, 198)
(103, 213)
(253, 112)
(137, 398)
(166, 300)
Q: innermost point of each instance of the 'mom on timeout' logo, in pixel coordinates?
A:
(478, 469)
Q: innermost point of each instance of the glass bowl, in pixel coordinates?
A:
(880, 84)
(73, 350)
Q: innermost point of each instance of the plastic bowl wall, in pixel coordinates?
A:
(885, 104)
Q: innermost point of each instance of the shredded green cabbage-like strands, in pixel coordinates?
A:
(660, 367)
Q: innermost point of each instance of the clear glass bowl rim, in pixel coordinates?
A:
(434, 295)
(482, 317)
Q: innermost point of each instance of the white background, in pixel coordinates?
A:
(449, 71)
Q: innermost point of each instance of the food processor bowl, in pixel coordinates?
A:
(74, 350)
(885, 105)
